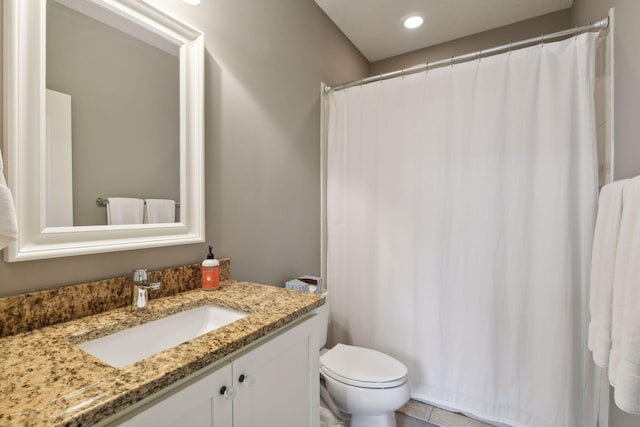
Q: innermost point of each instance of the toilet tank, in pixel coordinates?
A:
(322, 321)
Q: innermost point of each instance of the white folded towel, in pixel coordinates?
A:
(603, 256)
(160, 211)
(624, 360)
(125, 210)
(8, 221)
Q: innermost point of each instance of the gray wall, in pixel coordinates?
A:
(125, 111)
(626, 106)
(264, 63)
(519, 31)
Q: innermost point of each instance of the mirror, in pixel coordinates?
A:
(124, 127)
(112, 114)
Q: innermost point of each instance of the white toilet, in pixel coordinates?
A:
(366, 384)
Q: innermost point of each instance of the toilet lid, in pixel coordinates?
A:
(362, 367)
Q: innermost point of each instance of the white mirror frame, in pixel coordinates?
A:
(25, 133)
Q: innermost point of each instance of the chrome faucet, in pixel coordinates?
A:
(141, 287)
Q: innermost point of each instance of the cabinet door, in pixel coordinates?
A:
(277, 383)
(200, 404)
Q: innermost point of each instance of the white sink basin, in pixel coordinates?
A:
(130, 345)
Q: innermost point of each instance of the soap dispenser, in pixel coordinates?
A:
(210, 272)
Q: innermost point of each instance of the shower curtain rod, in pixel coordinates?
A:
(600, 25)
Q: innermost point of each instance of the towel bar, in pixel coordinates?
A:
(103, 202)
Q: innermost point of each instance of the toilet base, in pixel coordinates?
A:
(384, 420)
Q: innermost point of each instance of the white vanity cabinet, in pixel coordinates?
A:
(197, 404)
(274, 383)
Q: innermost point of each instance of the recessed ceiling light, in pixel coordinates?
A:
(413, 21)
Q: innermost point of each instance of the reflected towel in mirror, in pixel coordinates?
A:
(125, 210)
(160, 211)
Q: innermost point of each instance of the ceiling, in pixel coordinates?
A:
(375, 26)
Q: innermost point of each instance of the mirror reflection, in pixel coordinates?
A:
(113, 119)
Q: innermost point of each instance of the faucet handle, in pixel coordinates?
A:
(140, 275)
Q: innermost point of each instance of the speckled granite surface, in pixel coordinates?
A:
(45, 380)
(26, 312)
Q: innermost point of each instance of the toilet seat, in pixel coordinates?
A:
(362, 367)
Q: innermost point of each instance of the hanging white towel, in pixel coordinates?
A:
(160, 211)
(605, 241)
(624, 370)
(125, 210)
(8, 221)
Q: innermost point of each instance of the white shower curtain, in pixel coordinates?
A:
(460, 205)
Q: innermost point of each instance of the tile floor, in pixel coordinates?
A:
(403, 420)
(417, 414)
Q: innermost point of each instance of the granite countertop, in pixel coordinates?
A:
(45, 379)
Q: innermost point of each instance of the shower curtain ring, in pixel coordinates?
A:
(451, 62)
(380, 78)
(426, 67)
(542, 40)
